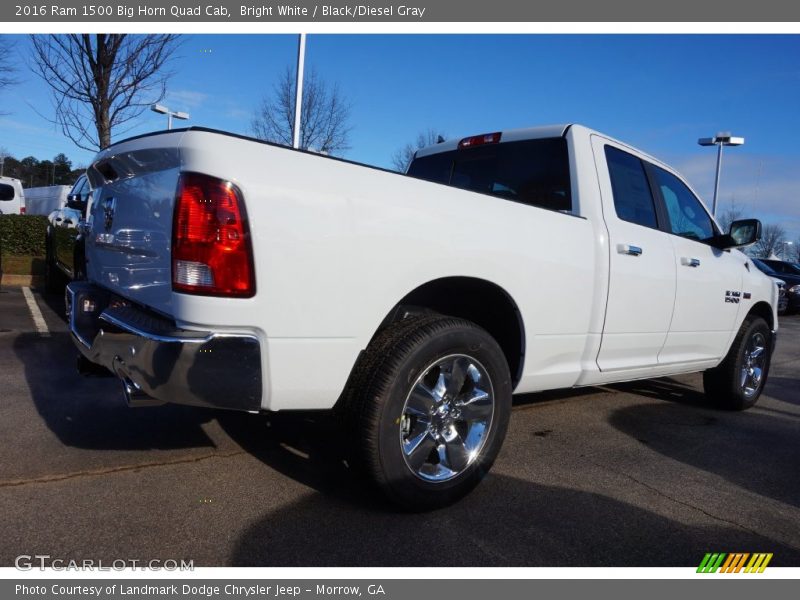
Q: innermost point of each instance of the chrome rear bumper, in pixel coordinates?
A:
(160, 363)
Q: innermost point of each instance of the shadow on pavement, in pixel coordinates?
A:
(54, 301)
(304, 446)
(785, 389)
(91, 412)
(752, 449)
(504, 522)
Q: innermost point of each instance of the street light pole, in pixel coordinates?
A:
(716, 180)
(161, 109)
(723, 138)
(785, 243)
(298, 99)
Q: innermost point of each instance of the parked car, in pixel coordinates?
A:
(12, 198)
(8, 193)
(44, 200)
(64, 244)
(780, 266)
(783, 299)
(228, 272)
(792, 282)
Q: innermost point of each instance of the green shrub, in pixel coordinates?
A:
(23, 235)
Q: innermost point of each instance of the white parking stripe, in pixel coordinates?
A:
(36, 314)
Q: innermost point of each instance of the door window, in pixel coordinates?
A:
(79, 188)
(633, 200)
(687, 217)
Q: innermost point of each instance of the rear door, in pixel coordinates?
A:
(709, 281)
(642, 263)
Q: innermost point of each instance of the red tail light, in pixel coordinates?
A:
(22, 210)
(211, 251)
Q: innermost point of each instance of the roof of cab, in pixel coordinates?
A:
(510, 135)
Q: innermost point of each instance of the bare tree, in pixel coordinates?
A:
(4, 154)
(324, 120)
(729, 215)
(100, 82)
(772, 237)
(7, 66)
(403, 156)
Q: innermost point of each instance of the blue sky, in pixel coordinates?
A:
(657, 92)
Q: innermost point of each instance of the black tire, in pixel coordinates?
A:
(724, 384)
(375, 409)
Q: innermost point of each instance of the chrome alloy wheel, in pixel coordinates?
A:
(446, 418)
(755, 357)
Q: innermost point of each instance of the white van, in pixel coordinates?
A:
(12, 197)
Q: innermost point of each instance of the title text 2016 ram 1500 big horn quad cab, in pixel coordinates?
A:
(237, 274)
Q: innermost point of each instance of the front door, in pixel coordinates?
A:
(709, 280)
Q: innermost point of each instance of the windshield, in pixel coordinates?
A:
(792, 268)
(534, 172)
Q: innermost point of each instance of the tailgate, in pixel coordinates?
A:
(129, 227)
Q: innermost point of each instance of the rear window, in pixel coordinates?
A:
(534, 172)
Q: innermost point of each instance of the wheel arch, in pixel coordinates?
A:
(483, 302)
(763, 310)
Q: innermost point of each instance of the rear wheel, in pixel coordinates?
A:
(429, 408)
(738, 381)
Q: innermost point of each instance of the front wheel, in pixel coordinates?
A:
(430, 409)
(738, 381)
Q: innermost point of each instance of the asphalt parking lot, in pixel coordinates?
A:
(630, 475)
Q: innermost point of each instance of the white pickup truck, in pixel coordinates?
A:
(232, 273)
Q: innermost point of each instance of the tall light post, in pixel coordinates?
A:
(298, 98)
(783, 254)
(723, 138)
(161, 109)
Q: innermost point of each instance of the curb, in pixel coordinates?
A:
(21, 280)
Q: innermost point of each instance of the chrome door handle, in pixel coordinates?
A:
(629, 249)
(690, 262)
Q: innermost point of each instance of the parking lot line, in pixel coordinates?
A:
(36, 314)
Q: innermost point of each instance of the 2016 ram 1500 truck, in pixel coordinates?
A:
(232, 273)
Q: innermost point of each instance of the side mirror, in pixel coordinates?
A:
(7, 192)
(744, 232)
(74, 201)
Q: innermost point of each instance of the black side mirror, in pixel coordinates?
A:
(6, 191)
(74, 201)
(744, 232)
